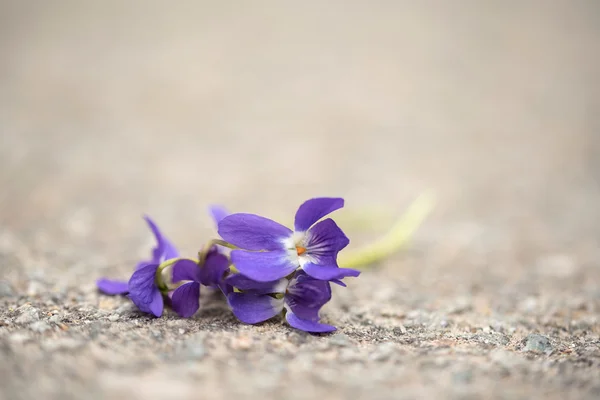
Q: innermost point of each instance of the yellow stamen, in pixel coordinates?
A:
(300, 250)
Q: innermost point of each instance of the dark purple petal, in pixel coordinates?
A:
(186, 270)
(325, 239)
(305, 296)
(157, 304)
(306, 325)
(186, 299)
(218, 213)
(164, 249)
(329, 272)
(112, 287)
(252, 308)
(264, 266)
(314, 209)
(143, 291)
(211, 273)
(253, 232)
(246, 284)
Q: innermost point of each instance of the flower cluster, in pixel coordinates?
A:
(262, 268)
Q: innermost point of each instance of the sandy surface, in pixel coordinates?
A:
(107, 112)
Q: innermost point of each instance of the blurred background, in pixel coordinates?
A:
(113, 109)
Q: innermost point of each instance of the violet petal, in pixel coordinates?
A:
(325, 239)
(252, 308)
(328, 272)
(314, 209)
(306, 325)
(186, 270)
(218, 213)
(112, 287)
(143, 291)
(246, 284)
(164, 249)
(264, 266)
(211, 273)
(253, 232)
(186, 299)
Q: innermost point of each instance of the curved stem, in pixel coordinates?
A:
(162, 285)
(395, 239)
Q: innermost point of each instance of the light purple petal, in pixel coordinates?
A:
(305, 296)
(112, 287)
(264, 266)
(253, 232)
(338, 282)
(211, 273)
(306, 325)
(314, 209)
(252, 308)
(329, 272)
(218, 213)
(143, 291)
(325, 239)
(248, 285)
(186, 299)
(164, 249)
(186, 270)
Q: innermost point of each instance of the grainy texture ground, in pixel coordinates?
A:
(107, 112)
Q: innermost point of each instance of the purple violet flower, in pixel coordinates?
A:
(302, 297)
(142, 288)
(185, 300)
(270, 251)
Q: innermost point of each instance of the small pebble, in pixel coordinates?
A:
(538, 343)
(114, 317)
(28, 314)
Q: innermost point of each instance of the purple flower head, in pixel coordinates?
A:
(185, 300)
(302, 297)
(142, 287)
(271, 251)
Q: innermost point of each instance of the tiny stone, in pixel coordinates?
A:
(538, 343)
(6, 289)
(28, 315)
(39, 326)
(181, 331)
(114, 317)
(55, 319)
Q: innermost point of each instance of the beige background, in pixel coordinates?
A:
(112, 109)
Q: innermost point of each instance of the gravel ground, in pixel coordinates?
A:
(111, 111)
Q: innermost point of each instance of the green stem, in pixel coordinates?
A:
(394, 240)
(162, 286)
